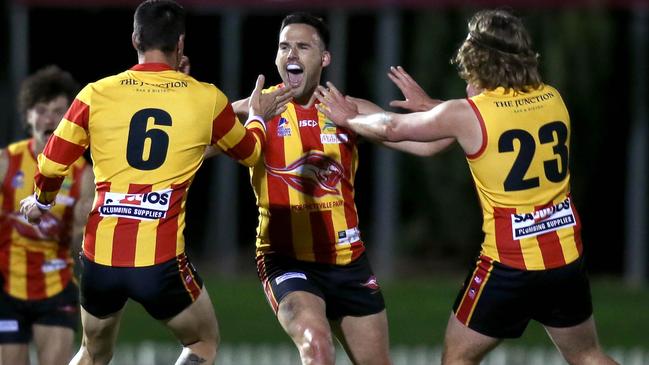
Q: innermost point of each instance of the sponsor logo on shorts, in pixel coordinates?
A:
(472, 292)
(146, 207)
(543, 221)
(372, 283)
(8, 325)
(53, 265)
(477, 279)
(68, 309)
(289, 275)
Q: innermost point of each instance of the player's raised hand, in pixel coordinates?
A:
(335, 106)
(416, 99)
(268, 105)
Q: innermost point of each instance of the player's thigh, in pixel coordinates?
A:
(54, 344)
(14, 354)
(575, 340)
(300, 312)
(462, 345)
(195, 323)
(166, 289)
(365, 338)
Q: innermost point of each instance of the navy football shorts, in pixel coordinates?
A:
(347, 290)
(164, 290)
(499, 301)
(17, 316)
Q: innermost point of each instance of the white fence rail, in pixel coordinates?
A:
(149, 353)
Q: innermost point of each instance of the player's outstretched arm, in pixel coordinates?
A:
(415, 98)
(447, 120)
(423, 149)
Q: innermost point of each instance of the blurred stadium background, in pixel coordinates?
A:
(420, 217)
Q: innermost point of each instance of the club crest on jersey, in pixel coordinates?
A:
(19, 180)
(146, 206)
(314, 174)
(283, 128)
(544, 220)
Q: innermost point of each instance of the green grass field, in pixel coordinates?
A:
(417, 311)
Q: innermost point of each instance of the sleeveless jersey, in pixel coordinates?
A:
(304, 187)
(147, 129)
(523, 181)
(35, 260)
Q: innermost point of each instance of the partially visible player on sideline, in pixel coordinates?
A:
(515, 131)
(39, 300)
(147, 129)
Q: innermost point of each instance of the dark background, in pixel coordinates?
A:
(585, 52)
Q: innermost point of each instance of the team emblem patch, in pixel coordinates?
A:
(314, 174)
(283, 128)
(19, 180)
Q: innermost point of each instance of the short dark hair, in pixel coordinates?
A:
(498, 53)
(158, 24)
(46, 85)
(308, 19)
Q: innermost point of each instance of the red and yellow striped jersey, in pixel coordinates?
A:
(147, 129)
(523, 181)
(305, 189)
(35, 260)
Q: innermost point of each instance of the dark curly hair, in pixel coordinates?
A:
(45, 85)
(498, 53)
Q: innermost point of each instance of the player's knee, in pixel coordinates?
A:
(97, 354)
(592, 355)
(456, 355)
(315, 345)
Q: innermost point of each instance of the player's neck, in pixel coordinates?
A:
(157, 56)
(306, 100)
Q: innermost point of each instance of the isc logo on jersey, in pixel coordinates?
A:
(308, 123)
(147, 206)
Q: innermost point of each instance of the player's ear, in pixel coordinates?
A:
(181, 44)
(133, 41)
(326, 58)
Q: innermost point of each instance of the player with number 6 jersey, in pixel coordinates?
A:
(141, 191)
(147, 129)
